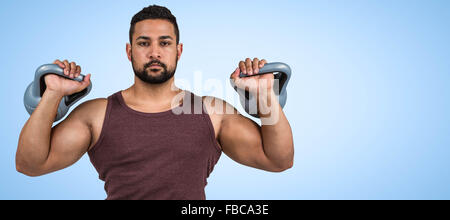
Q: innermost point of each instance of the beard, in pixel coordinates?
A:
(147, 77)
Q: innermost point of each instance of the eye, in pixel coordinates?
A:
(144, 44)
(164, 43)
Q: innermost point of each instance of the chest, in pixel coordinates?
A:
(98, 123)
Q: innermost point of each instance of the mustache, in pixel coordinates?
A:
(157, 62)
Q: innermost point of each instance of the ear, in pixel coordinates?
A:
(128, 50)
(180, 50)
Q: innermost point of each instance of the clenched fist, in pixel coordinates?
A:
(65, 86)
(253, 84)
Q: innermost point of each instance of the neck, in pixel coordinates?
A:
(147, 94)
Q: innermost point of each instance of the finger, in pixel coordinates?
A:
(66, 67)
(235, 74)
(262, 63)
(73, 68)
(70, 70)
(242, 67)
(235, 79)
(78, 71)
(59, 63)
(248, 65)
(86, 81)
(255, 65)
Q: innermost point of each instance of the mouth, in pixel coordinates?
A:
(154, 66)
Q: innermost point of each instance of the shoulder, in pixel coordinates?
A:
(223, 111)
(218, 106)
(91, 110)
(228, 120)
(218, 110)
(93, 105)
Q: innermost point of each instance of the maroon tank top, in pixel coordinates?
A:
(164, 155)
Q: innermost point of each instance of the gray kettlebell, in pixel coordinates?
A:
(282, 74)
(36, 89)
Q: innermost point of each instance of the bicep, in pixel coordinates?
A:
(241, 140)
(69, 141)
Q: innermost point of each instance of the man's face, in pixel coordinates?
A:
(154, 53)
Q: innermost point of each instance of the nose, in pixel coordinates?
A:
(154, 52)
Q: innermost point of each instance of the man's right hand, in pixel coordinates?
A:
(63, 86)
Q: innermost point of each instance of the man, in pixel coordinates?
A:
(138, 145)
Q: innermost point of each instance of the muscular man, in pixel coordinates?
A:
(137, 142)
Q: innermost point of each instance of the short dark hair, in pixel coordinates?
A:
(154, 12)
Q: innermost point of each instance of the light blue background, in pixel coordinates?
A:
(368, 100)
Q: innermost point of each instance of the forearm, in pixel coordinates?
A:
(34, 141)
(275, 131)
